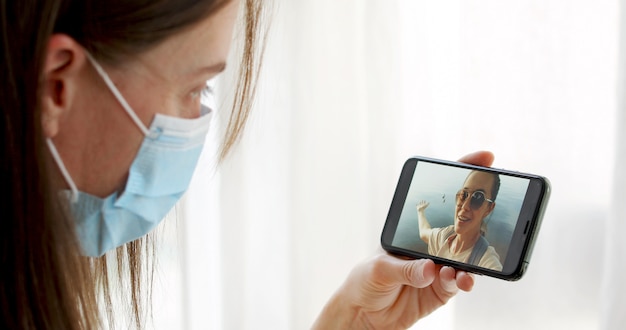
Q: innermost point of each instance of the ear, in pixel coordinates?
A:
(63, 61)
(491, 207)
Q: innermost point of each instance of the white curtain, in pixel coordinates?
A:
(613, 285)
(350, 89)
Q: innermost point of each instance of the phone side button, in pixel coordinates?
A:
(526, 227)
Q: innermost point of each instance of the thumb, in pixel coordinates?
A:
(393, 271)
(482, 158)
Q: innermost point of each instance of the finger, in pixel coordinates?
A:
(464, 281)
(481, 158)
(447, 276)
(392, 271)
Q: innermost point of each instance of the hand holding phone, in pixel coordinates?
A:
(478, 219)
(388, 292)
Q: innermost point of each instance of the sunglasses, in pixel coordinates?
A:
(476, 201)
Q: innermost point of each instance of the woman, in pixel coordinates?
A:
(464, 240)
(92, 92)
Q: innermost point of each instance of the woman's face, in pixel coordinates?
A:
(468, 220)
(97, 139)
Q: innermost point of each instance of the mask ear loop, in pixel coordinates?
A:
(53, 150)
(118, 95)
(63, 169)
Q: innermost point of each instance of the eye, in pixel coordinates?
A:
(204, 91)
(207, 91)
(478, 196)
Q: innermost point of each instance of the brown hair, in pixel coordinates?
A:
(46, 283)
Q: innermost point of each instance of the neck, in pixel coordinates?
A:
(463, 242)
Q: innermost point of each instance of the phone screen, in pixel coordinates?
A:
(482, 220)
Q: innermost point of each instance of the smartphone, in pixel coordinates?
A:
(479, 219)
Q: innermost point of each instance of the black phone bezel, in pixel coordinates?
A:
(524, 234)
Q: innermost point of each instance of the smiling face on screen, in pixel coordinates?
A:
(472, 203)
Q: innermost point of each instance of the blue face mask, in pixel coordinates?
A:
(158, 177)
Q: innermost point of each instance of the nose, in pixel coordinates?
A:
(465, 205)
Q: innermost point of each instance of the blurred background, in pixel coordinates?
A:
(351, 89)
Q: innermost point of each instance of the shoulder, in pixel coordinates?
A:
(442, 232)
(439, 235)
(491, 259)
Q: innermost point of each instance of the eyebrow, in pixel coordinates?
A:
(215, 68)
(479, 189)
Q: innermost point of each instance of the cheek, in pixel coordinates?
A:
(175, 105)
(146, 108)
(117, 153)
(483, 214)
(146, 97)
